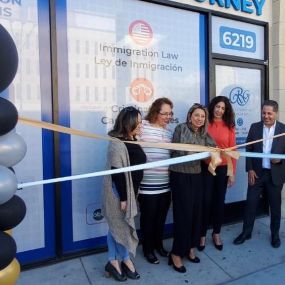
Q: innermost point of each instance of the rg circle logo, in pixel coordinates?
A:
(239, 96)
(140, 32)
(141, 90)
(239, 122)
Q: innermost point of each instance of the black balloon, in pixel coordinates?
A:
(8, 116)
(8, 59)
(8, 250)
(12, 169)
(12, 213)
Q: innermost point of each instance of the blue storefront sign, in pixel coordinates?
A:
(245, 6)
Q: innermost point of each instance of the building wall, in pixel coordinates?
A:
(277, 69)
(278, 55)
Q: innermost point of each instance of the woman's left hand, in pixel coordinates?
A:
(231, 181)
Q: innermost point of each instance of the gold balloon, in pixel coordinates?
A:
(10, 273)
(9, 232)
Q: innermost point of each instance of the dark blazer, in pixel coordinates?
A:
(278, 147)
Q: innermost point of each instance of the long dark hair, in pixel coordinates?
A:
(156, 107)
(229, 115)
(126, 122)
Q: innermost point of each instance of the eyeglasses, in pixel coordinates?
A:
(166, 114)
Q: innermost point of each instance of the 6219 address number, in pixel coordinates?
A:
(237, 39)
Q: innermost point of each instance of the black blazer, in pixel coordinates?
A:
(278, 147)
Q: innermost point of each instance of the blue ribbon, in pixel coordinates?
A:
(261, 155)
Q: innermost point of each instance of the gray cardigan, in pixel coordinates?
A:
(121, 224)
(184, 134)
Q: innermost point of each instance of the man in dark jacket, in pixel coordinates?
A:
(264, 173)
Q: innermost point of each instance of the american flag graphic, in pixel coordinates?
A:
(141, 32)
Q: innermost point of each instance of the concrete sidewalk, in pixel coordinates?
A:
(254, 263)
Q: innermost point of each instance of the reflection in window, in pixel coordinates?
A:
(104, 72)
(38, 92)
(27, 41)
(113, 94)
(37, 68)
(12, 92)
(87, 94)
(28, 66)
(77, 43)
(105, 94)
(96, 94)
(104, 52)
(113, 72)
(77, 96)
(17, 38)
(18, 91)
(87, 71)
(86, 47)
(28, 92)
(77, 70)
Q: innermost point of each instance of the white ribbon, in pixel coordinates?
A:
(170, 161)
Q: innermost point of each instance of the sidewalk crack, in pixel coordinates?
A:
(87, 276)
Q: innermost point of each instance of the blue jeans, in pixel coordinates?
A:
(115, 249)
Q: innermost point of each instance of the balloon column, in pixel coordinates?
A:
(12, 150)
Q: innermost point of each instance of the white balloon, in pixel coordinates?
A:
(8, 184)
(12, 149)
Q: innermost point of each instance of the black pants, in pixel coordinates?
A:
(214, 199)
(153, 209)
(187, 199)
(274, 199)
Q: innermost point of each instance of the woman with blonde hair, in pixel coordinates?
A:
(187, 188)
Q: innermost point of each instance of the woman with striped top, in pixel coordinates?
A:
(154, 193)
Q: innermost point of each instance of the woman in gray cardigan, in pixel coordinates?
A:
(187, 188)
(119, 203)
